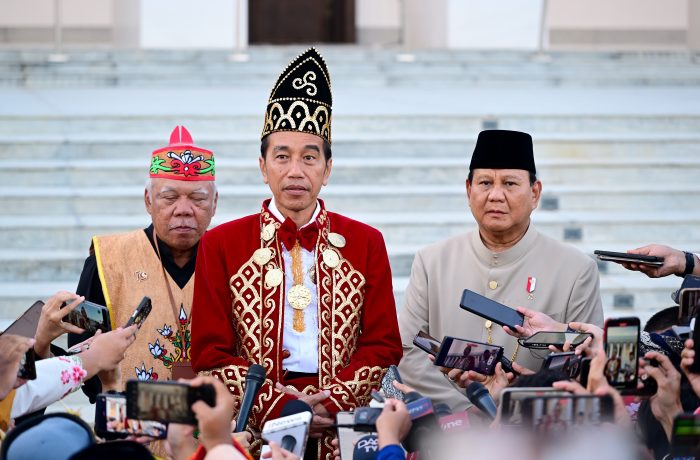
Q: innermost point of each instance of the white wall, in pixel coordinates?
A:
(618, 14)
(40, 13)
(377, 14)
(494, 24)
(187, 23)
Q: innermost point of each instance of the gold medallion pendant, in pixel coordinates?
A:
(337, 240)
(268, 232)
(274, 277)
(299, 297)
(262, 256)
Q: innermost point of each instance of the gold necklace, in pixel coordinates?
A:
(299, 296)
(488, 325)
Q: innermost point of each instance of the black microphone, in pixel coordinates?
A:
(295, 406)
(442, 410)
(253, 381)
(481, 398)
(288, 443)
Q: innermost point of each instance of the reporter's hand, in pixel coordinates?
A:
(322, 420)
(589, 347)
(674, 261)
(214, 422)
(181, 444)
(243, 438)
(687, 360)
(107, 350)
(13, 349)
(535, 321)
(494, 383)
(393, 424)
(51, 324)
(336, 446)
(666, 403)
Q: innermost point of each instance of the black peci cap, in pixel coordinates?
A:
(503, 149)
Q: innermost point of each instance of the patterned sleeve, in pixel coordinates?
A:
(56, 378)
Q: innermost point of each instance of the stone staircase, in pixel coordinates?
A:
(617, 142)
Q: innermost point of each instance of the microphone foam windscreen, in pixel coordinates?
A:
(475, 390)
(295, 407)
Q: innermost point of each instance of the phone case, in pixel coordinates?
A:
(626, 257)
(490, 309)
(425, 342)
(387, 383)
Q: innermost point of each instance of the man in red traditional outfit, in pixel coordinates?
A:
(304, 292)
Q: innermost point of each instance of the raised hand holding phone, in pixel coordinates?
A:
(51, 322)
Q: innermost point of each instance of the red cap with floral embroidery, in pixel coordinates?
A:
(181, 159)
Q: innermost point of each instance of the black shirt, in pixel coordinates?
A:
(90, 286)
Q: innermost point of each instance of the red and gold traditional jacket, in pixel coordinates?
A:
(238, 308)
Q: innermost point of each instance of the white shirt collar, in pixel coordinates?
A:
(276, 212)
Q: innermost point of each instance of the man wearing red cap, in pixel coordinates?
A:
(157, 261)
(300, 290)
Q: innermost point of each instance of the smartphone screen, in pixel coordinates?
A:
(689, 304)
(468, 355)
(427, 343)
(490, 309)
(695, 367)
(622, 349)
(111, 420)
(165, 401)
(568, 362)
(90, 316)
(511, 399)
(685, 437)
(554, 414)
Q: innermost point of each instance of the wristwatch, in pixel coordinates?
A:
(689, 263)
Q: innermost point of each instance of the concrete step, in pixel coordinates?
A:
(66, 264)
(73, 232)
(371, 170)
(348, 199)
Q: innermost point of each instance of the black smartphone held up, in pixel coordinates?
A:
(685, 437)
(585, 370)
(542, 340)
(167, 402)
(622, 349)
(111, 421)
(695, 367)
(554, 414)
(620, 257)
(27, 323)
(490, 309)
(688, 304)
(90, 316)
(140, 313)
(567, 362)
(469, 355)
(427, 343)
(392, 375)
(27, 366)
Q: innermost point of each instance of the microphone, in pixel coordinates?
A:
(481, 398)
(292, 429)
(253, 381)
(442, 410)
(422, 415)
(366, 448)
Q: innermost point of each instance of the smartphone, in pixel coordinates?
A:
(90, 316)
(140, 313)
(567, 362)
(347, 436)
(27, 366)
(26, 324)
(585, 370)
(427, 343)
(554, 414)
(695, 367)
(543, 339)
(618, 257)
(688, 304)
(388, 383)
(511, 398)
(295, 427)
(469, 355)
(490, 309)
(685, 437)
(111, 421)
(622, 349)
(166, 402)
